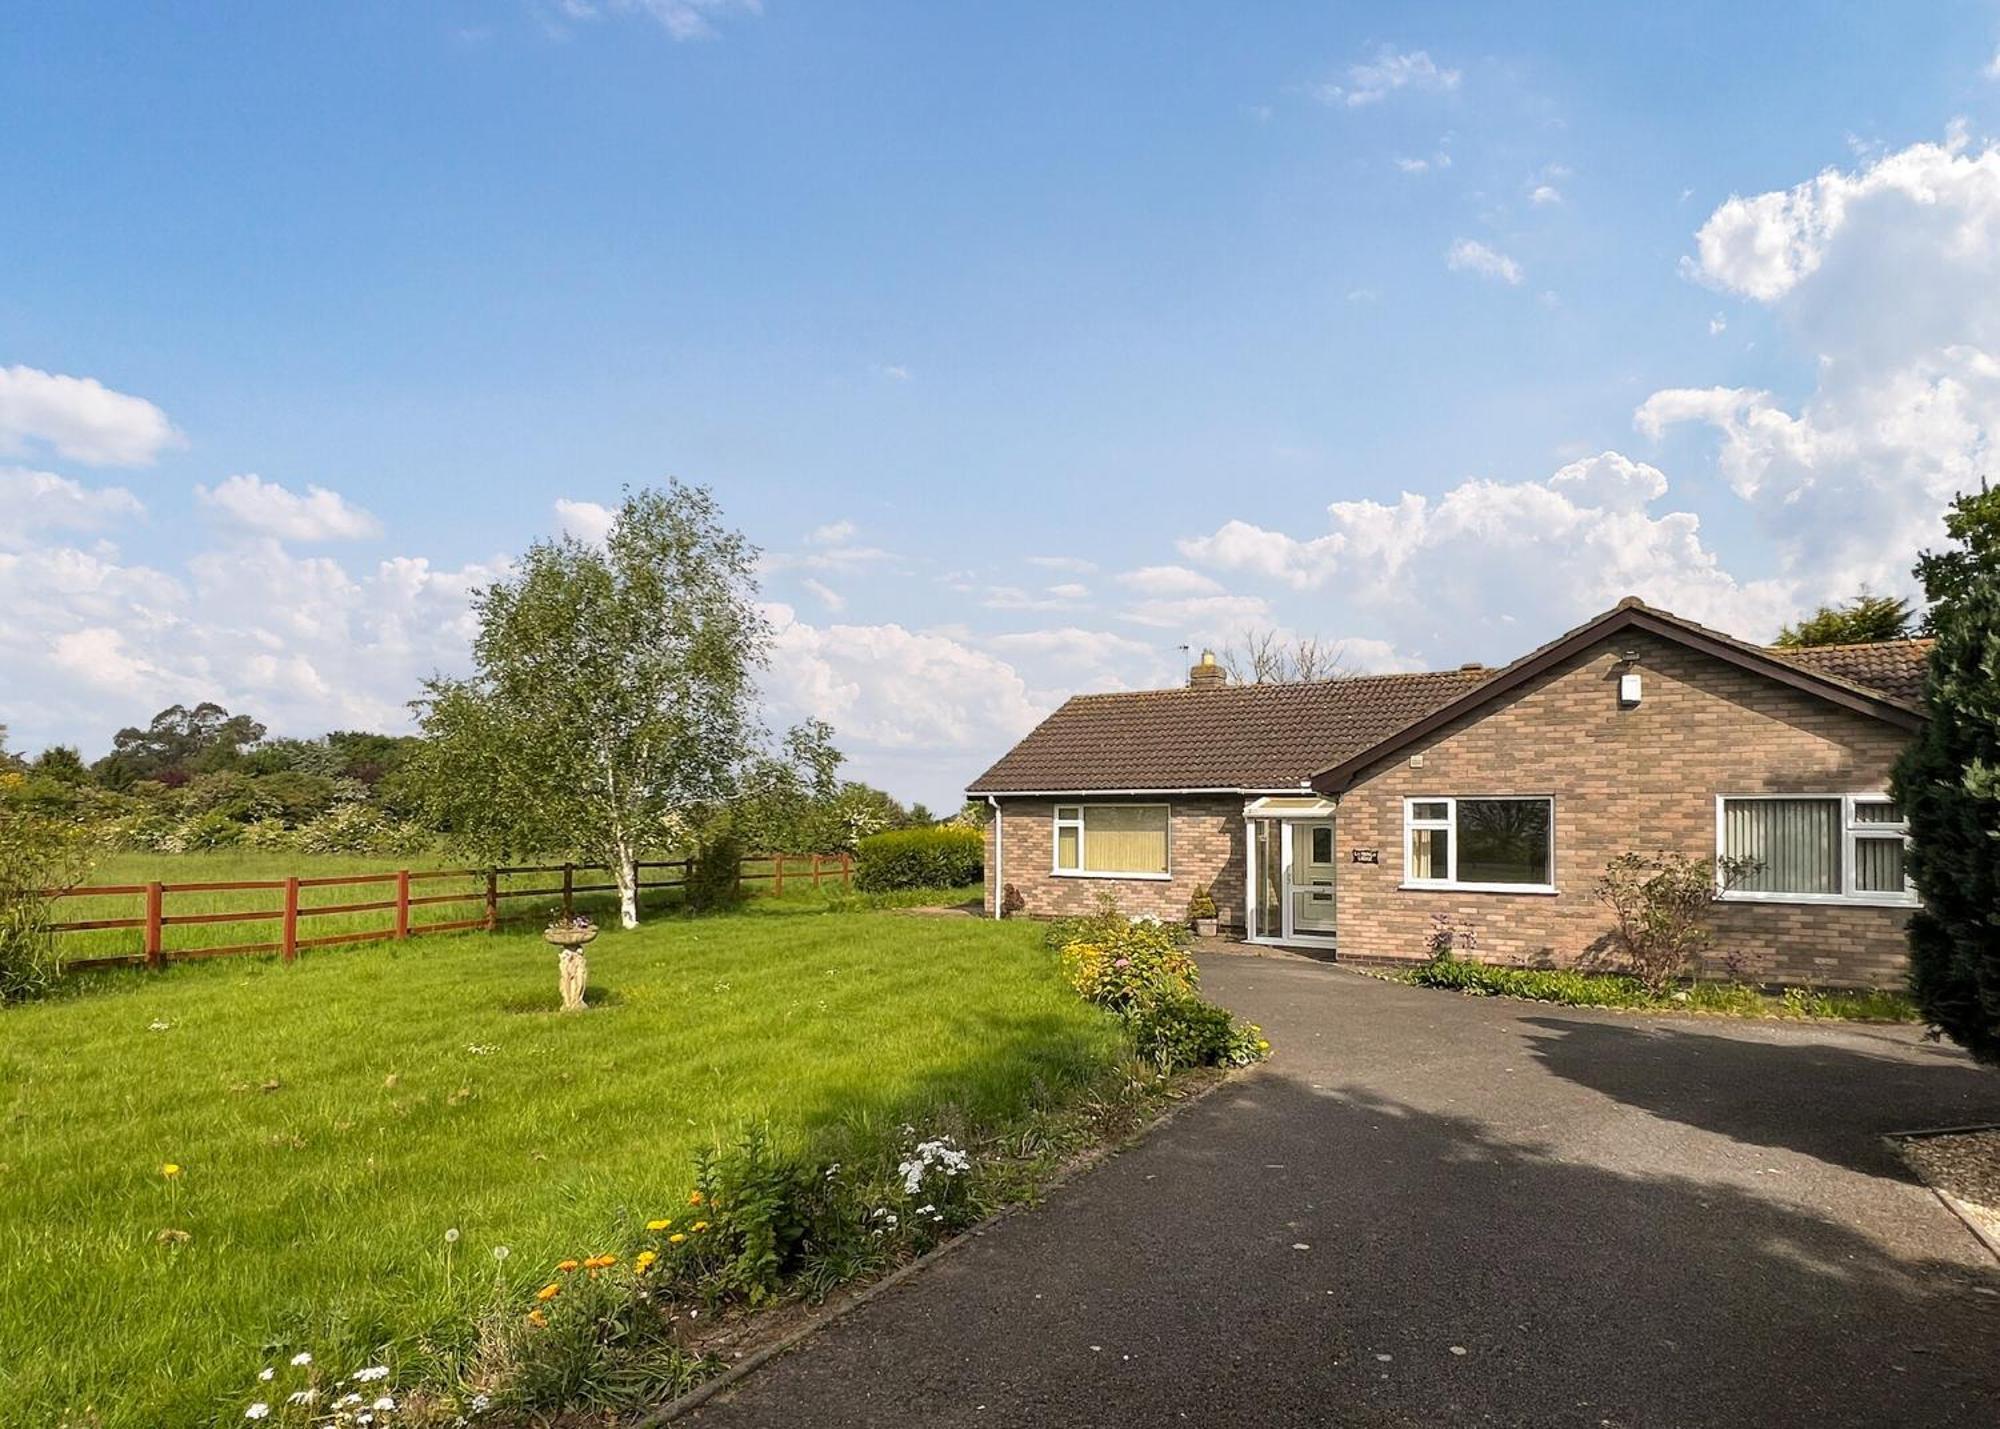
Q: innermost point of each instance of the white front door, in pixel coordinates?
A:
(1309, 869)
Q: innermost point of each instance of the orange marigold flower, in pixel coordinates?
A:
(549, 1291)
(694, 1199)
(538, 1319)
(658, 1225)
(566, 1266)
(600, 1262)
(676, 1238)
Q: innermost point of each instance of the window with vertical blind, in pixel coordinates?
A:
(1810, 848)
(1112, 840)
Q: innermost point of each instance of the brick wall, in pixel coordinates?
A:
(1624, 780)
(1206, 846)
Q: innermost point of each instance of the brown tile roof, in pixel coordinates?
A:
(1895, 667)
(1237, 737)
(1631, 613)
(1270, 737)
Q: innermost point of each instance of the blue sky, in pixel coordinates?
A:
(1030, 344)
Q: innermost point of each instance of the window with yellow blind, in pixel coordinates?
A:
(1112, 840)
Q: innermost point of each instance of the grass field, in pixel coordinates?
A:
(335, 1117)
(237, 866)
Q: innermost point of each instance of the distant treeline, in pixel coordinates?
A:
(200, 778)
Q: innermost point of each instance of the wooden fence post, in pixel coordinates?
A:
(402, 903)
(492, 898)
(290, 942)
(778, 882)
(815, 870)
(569, 890)
(847, 870)
(155, 896)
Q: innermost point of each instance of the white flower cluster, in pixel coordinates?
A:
(941, 1155)
(349, 1409)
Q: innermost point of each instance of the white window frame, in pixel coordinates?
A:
(1449, 823)
(1851, 831)
(1077, 822)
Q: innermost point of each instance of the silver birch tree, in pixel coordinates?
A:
(613, 694)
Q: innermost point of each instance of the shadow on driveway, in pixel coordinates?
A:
(1802, 1092)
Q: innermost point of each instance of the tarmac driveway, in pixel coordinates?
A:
(1431, 1209)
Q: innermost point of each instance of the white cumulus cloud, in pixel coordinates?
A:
(1889, 275)
(81, 419)
(1169, 581)
(41, 501)
(1468, 255)
(1424, 571)
(268, 509)
(94, 641)
(915, 710)
(586, 520)
(1936, 203)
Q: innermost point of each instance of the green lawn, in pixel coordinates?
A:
(334, 1118)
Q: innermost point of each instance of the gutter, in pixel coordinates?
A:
(1302, 787)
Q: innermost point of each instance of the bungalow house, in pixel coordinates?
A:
(1343, 815)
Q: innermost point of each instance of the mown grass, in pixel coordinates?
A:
(335, 1117)
(247, 865)
(1729, 999)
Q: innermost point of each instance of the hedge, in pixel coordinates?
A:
(940, 857)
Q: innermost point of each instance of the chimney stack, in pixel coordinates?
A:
(1206, 674)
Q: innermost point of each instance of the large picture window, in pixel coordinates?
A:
(1501, 844)
(1816, 847)
(1112, 840)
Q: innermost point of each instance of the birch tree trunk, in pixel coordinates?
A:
(628, 885)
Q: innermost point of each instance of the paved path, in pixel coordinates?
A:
(1439, 1210)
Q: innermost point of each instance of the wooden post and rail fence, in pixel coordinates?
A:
(405, 886)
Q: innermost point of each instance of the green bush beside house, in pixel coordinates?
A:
(942, 856)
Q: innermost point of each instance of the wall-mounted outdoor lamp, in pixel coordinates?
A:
(1628, 679)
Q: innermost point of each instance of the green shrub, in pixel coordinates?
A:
(1661, 903)
(937, 857)
(359, 828)
(1948, 781)
(1132, 968)
(1539, 984)
(713, 873)
(1857, 1005)
(760, 1204)
(1106, 923)
(35, 854)
(1185, 1031)
(205, 833)
(1142, 972)
(1582, 989)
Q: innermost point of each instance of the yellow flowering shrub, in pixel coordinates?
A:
(1130, 968)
